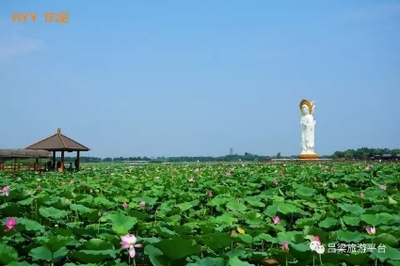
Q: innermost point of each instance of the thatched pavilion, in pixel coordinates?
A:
(16, 154)
(60, 143)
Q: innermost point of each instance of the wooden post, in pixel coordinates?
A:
(36, 166)
(54, 161)
(62, 161)
(77, 161)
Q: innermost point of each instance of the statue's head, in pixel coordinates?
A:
(306, 107)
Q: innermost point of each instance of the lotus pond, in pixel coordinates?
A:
(201, 214)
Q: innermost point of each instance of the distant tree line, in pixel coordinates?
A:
(362, 153)
(365, 153)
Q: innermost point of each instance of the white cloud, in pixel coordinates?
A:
(18, 45)
(13, 44)
(378, 11)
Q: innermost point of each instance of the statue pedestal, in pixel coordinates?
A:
(308, 157)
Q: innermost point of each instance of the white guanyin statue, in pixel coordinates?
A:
(307, 123)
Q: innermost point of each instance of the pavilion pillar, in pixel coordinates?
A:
(54, 161)
(62, 162)
(77, 161)
(36, 166)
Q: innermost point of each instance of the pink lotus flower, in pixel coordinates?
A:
(285, 246)
(124, 204)
(362, 195)
(369, 167)
(316, 239)
(371, 230)
(90, 190)
(129, 242)
(383, 187)
(276, 181)
(210, 194)
(5, 190)
(39, 187)
(142, 204)
(72, 182)
(276, 220)
(9, 224)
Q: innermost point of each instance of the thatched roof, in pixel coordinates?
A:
(58, 142)
(24, 153)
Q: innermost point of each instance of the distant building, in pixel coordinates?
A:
(137, 162)
(387, 157)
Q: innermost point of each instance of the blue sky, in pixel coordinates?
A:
(170, 78)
